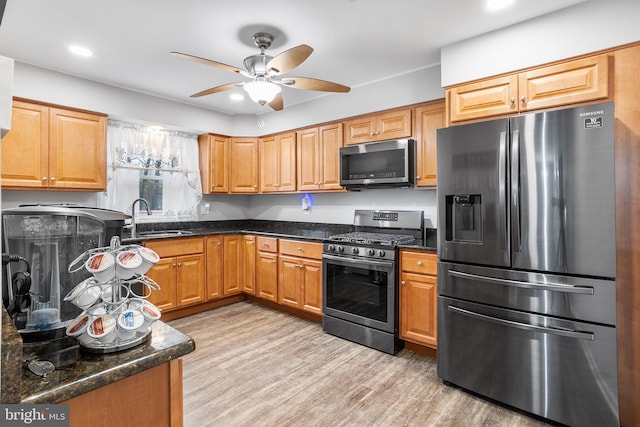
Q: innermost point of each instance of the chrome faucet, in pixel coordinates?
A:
(133, 215)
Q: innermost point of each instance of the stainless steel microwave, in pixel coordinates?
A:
(378, 164)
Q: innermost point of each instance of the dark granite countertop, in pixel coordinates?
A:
(92, 371)
(11, 352)
(280, 229)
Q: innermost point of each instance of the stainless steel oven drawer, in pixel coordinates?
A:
(587, 299)
(562, 370)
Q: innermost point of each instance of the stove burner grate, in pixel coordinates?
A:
(383, 239)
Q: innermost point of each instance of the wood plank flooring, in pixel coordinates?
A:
(254, 366)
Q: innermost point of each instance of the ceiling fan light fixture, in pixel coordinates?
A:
(262, 91)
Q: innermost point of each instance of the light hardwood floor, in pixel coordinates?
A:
(254, 366)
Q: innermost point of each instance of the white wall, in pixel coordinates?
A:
(334, 208)
(584, 28)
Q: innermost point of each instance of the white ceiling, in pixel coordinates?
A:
(355, 42)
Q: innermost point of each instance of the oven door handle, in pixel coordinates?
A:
(555, 287)
(360, 261)
(526, 326)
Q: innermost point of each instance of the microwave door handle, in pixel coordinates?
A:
(502, 191)
(515, 191)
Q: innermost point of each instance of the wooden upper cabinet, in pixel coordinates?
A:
(378, 127)
(214, 163)
(66, 149)
(318, 151)
(428, 119)
(566, 83)
(244, 165)
(278, 163)
(483, 99)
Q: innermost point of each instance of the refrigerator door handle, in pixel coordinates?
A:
(502, 191)
(526, 326)
(515, 190)
(555, 287)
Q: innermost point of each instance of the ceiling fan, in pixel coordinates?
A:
(265, 71)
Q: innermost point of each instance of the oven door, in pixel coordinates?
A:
(359, 290)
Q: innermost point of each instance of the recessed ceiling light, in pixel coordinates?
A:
(80, 51)
(496, 5)
(236, 96)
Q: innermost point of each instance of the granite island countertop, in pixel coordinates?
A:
(91, 371)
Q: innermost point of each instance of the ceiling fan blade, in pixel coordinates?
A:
(277, 103)
(216, 89)
(314, 84)
(207, 62)
(289, 59)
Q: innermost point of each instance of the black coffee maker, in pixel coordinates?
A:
(39, 243)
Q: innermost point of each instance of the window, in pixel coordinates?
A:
(159, 166)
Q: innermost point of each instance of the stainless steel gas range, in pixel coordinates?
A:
(360, 292)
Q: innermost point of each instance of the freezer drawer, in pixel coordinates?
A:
(562, 370)
(585, 299)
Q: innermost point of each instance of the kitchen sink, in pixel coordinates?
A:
(163, 233)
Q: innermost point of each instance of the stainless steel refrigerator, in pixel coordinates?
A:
(526, 278)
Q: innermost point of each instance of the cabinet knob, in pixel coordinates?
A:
(273, 261)
(300, 249)
(174, 265)
(513, 100)
(523, 98)
(44, 179)
(403, 283)
(419, 263)
(53, 179)
(417, 177)
(179, 264)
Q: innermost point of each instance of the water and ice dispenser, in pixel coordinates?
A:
(39, 243)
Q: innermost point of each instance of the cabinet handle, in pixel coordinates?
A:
(523, 99)
(403, 283)
(44, 179)
(419, 263)
(179, 264)
(417, 177)
(513, 100)
(53, 178)
(300, 249)
(174, 265)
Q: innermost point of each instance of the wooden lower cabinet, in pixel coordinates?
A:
(215, 267)
(267, 268)
(180, 272)
(232, 265)
(248, 268)
(418, 297)
(300, 275)
(149, 398)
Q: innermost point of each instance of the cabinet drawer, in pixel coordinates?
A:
(176, 246)
(267, 244)
(301, 249)
(419, 262)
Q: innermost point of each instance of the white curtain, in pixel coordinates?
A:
(134, 148)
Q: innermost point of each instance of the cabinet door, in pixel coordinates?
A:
(486, 98)
(290, 281)
(418, 316)
(248, 270)
(329, 159)
(428, 120)
(25, 148)
(215, 267)
(287, 161)
(214, 163)
(307, 158)
(267, 276)
(164, 274)
(394, 124)
(568, 83)
(77, 150)
(232, 265)
(362, 129)
(244, 165)
(190, 279)
(312, 291)
(269, 165)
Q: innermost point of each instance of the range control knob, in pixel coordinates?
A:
(381, 253)
(340, 248)
(331, 248)
(370, 252)
(355, 250)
